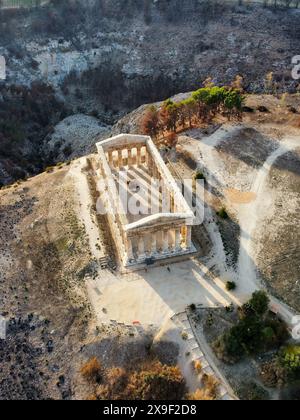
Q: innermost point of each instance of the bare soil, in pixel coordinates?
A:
(51, 329)
(279, 239)
(261, 200)
(42, 294)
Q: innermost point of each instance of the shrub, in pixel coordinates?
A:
(184, 335)
(230, 285)
(91, 370)
(269, 335)
(198, 366)
(156, 382)
(273, 374)
(210, 384)
(249, 334)
(209, 392)
(223, 213)
(115, 383)
(259, 303)
(200, 175)
(290, 359)
(229, 348)
(229, 309)
(150, 381)
(200, 395)
(279, 329)
(254, 332)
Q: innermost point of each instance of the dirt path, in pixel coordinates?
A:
(85, 205)
(250, 216)
(249, 213)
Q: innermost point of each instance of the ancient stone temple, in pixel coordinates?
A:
(148, 215)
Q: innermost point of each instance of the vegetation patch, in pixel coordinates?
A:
(290, 360)
(203, 105)
(251, 391)
(230, 286)
(223, 213)
(200, 175)
(255, 331)
(148, 381)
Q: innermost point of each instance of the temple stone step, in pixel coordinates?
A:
(222, 391)
(226, 397)
(192, 343)
(179, 318)
(208, 370)
(196, 353)
(204, 363)
(185, 323)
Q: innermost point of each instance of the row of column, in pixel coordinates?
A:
(128, 157)
(170, 241)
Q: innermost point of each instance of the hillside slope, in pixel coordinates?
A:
(107, 57)
(43, 251)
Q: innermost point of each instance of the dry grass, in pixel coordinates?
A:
(198, 366)
(91, 370)
(200, 395)
(209, 392)
(149, 381)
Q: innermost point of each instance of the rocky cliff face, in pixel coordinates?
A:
(116, 55)
(107, 57)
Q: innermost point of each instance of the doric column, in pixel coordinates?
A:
(154, 243)
(153, 171)
(120, 158)
(138, 155)
(134, 156)
(183, 236)
(188, 236)
(172, 203)
(147, 157)
(177, 240)
(150, 164)
(141, 247)
(129, 249)
(171, 235)
(124, 158)
(142, 156)
(110, 158)
(130, 157)
(165, 244)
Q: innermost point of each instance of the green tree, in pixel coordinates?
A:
(169, 115)
(259, 303)
(233, 103)
(189, 109)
